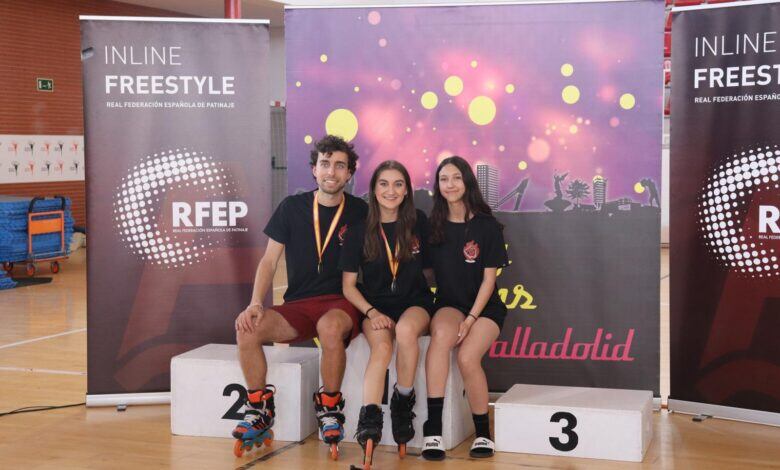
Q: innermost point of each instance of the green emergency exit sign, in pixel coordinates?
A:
(45, 84)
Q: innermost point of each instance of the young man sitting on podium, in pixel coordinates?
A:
(309, 228)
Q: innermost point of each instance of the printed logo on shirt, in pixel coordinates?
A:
(415, 246)
(342, 232)
(471, 251)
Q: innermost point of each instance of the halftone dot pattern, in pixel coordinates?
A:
(723, 205)
(138, 203)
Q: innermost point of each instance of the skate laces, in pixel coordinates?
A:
(256, 418)
(330, 421)
(404, 405)
(329, 409)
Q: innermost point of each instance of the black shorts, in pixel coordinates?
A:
(395, 310)
(497, 313)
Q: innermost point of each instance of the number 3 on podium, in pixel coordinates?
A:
(573, 439)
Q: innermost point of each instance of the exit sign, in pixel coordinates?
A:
(45, 84)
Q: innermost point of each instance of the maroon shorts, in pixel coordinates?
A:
(304, 314)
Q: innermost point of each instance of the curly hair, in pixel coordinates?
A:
(331, 143)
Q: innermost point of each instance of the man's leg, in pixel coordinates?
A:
(273, 328)
(332, 329)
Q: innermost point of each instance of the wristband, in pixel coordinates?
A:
(366, 314)
(473, 316)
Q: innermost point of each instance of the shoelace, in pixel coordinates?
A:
(329, 421)
(252, 417)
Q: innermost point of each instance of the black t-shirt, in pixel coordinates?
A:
(460, 261)
(292, 224)
(411, 286)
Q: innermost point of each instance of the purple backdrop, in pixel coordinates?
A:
(572, 90)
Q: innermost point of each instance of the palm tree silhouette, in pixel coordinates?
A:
(577, 190)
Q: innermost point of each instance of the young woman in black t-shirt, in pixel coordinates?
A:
(467, 247)
(390, 250)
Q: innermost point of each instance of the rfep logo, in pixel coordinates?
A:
(174, 207)
(738, 212)
(213, 214)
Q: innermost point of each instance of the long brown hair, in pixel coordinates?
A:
(407, 217)
(472, 198)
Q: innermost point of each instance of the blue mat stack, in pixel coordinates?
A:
(5, 280)
(13, 229)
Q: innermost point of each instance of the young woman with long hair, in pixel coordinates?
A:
(467, 248)
(390, 250)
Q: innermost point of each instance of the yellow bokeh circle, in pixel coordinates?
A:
(324, 58)
(298, 84)
(638, 188)
(627, 101)
(573, 129)
(567, 70)
(453, 85)
(343, 123)
(570, 94)
(482, 110)
(308, 139)
(429, 100)
(357, 89)
(522, 165)
(474, 64)
(509, 88)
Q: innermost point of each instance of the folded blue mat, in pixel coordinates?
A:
(13, 229)
(5, 281)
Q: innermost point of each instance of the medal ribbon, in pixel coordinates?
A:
(317, 236)
(392, 260)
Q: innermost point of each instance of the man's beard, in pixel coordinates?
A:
(331, 191)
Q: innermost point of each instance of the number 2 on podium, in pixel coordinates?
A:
(573, 439)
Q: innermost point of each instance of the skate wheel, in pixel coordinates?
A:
(369, 454)
(270, 439)
(30, 269)
(402, 450)
(334, 451)
(8, 267)
(55, 267)
(238, 449)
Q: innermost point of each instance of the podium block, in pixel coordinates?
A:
(208, 391)
(456, 415)
(594, 423)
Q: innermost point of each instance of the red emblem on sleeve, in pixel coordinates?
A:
(471, 251)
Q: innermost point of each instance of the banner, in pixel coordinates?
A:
(41, 158)
(558, 107)
(178, 188)
(725, 238)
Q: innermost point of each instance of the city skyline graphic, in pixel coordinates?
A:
(515, 97)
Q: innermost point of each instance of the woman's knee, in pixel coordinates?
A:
(444, 336)
(382, 351)
(468, 361)
(406, 333)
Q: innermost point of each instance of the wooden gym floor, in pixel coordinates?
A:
(43, 361)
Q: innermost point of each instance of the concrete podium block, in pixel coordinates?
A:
(208, 391)
(594, 423)
(456, 416)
